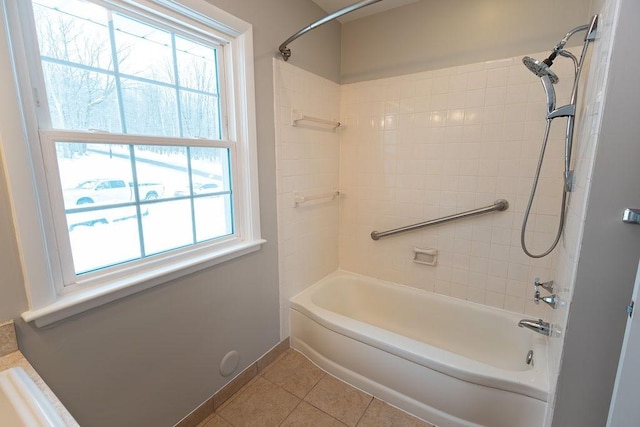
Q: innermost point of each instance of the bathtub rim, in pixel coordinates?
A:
(533, 382)
(30, 404)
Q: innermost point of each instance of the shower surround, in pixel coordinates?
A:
(424, 145)
(412, 148)
(419, 146)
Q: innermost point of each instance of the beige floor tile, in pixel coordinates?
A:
(261, 403)
(214, 421)
(295, 373)
(339, 400)
(380, 414)
(306, 415)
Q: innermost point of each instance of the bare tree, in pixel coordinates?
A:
(74, 54)
(78, 66)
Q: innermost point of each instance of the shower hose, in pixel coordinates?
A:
(530, 203)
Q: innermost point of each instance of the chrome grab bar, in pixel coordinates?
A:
(286, 52)
(498, 205)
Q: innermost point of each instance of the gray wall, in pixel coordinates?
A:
(149, 359)
(435, 34)
(610, 251)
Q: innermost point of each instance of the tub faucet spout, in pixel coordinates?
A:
(538, 326)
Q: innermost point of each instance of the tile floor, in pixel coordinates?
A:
(292, 391)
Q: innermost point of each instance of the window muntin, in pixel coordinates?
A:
(108, 71)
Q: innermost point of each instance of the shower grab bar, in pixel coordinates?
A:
(286, 52)
(498, 205)
(297, 116)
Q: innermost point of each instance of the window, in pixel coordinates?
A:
(140, 128)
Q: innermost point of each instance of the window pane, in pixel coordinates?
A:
(210, 166)
(213, 217)
(149, 109)
(167, 226)
(102, 238)
(73, 31)
(200, 115)
(143, 50)
(81, 99)
(162, 171)
(94, 174)
(196, 66)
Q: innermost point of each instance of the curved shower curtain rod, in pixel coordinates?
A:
(286, 52)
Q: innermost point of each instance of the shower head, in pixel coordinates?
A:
(541, 68)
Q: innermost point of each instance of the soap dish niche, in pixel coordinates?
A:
(426, 256)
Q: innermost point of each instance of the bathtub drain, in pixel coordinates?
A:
(529, 358)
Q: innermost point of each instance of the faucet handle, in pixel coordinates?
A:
(552, 299)
(547, 286)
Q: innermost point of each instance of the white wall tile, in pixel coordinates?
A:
(463, 137)
(307, 161)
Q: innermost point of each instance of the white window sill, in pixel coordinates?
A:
(77, 301)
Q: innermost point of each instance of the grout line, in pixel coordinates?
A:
(283, 389)
(291, 412)
(365, 410)
(226, 420)
(314, 386)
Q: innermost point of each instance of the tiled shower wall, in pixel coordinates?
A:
(418, 147)
(590, 103)
(421, 146)
(307, 163)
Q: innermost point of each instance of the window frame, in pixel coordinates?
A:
(24, 157)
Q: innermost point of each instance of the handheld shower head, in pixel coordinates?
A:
(548, 77)
(541, 68)
(550, 92)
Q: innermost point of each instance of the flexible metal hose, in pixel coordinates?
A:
(532, 196)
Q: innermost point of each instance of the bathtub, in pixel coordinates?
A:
(447, 361)
(22, 404)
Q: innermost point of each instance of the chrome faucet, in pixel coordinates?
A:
(538, 326)
(552, 299)
(547, 286)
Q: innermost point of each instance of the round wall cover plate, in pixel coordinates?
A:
(229, 363)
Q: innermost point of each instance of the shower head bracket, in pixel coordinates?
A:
(593, 29)
(564, 111)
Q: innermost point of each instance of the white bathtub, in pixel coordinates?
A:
(22, 404)
(449, 362)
